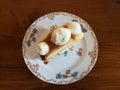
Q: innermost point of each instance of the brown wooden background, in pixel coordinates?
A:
(17, 15)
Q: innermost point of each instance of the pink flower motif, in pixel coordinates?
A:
(67, 74)
(34, 30)
(79, 52)
(34, 39)
(68, 71)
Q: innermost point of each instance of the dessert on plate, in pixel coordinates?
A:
(59, 40)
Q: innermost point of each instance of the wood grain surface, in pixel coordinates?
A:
(17, 15)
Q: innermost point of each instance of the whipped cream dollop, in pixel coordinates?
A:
(74, 27)
(61, 36)
(43, 48)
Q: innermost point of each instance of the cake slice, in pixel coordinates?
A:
(56, 50)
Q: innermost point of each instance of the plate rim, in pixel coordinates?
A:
(51, 81)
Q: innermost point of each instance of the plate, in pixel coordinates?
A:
(71, 66)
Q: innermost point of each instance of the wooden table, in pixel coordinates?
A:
(17, 15)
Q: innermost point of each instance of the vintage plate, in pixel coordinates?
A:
(73, 64)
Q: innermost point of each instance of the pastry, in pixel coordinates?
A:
(59, 40)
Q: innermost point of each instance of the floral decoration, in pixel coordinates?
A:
(32, 37)
(79, 52)
(84, 30)
(65, 53)
(74, 20)
(33, 67)
(67, 74)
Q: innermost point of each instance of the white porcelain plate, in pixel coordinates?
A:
(73, 64)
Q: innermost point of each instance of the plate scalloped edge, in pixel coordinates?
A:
(34, 67)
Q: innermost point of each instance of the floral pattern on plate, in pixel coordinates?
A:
(79, 52)
(67, 74)
(88, 52)
(32, 37)
(65, 53)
